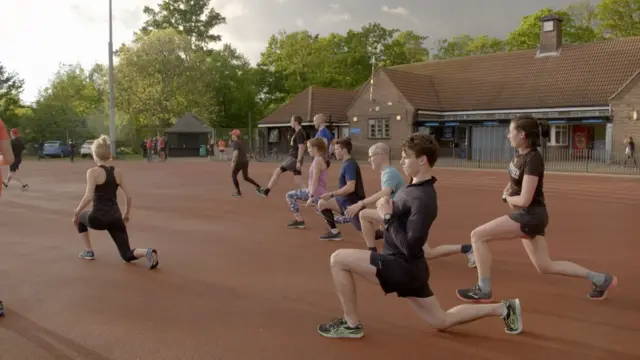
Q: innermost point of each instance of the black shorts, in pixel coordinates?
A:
(397, 275)
(15, 166)
(533, 220)
(290, 165)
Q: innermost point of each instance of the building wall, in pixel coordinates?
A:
(622, 106)
(388, 103)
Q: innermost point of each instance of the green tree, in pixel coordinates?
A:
(11, 87)
(153, 77)
(406, 47)
(63, 108)
(193, 18)
(527, 35)
(619, 18)
(466, 45)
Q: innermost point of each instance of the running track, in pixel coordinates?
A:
(235, 284)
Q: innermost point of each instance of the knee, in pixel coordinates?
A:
(337, 259)
(478, 236)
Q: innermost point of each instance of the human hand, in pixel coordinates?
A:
(353, 209)
(75, 220)
(125, 218)
(325, 196)
(309, 202)
(384, 206)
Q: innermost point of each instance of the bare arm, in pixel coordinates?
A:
(345, 190)
(234, 157)
(301, 150)
(88, 193)
(529, 184)
(6, 152)
(373, 199)
(127, 196)
(507, 189)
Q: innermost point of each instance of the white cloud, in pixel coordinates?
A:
(396, 11)
(334, 15)
(44, 33)
(300, 22)
(399, 11)
(281, 1)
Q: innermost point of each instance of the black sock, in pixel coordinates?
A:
(267, 191)
(466, 248)
(373, 249)
(328, 217)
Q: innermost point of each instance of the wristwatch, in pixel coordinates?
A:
(387, 217)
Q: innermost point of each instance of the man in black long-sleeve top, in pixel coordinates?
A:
(401, 268)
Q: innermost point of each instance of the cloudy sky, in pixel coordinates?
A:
(37, 35)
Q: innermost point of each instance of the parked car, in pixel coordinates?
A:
(56, 149)
(85, 149)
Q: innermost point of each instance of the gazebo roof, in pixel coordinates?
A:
(189, 124)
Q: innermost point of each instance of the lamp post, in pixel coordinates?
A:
(112, 95)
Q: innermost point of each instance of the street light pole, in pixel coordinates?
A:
(112, 92)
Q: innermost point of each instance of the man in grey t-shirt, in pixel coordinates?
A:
(391, 181)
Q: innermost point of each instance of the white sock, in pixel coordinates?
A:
(335, 231)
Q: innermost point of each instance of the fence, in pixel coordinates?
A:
(556, 159)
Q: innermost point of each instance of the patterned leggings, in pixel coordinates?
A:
(299, 195)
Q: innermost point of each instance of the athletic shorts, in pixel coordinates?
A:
(533, 220)
(400, 276)
(290, 165)
(15, 166)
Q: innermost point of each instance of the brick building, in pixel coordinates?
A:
(589, 93)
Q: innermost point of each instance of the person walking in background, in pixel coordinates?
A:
(72, 149)
(149, 149)
(17, 147)
(221, 146)
(40, 150)
(630, 151)
(143, 147)
(211, 148)
(161, 146)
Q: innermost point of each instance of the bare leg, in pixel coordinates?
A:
(502, 228)
(274, 178)
(431, 312)
(297, 180)
(87, 241)
(538, 252)
(14, 176)
(448, 250)
(369, 218)
(344, 264)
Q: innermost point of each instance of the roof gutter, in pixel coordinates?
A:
(513, 111)
(303, 124)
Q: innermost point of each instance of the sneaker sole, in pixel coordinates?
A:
(86, 258)
(332, 239)
(152, 259)
(295, 227)
(476, 301)
(348, 336)
(519, 312)
(614, 282)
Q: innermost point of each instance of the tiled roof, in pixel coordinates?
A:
(189, 123)
(581, 75)
(331, 102)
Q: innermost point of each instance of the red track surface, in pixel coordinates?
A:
(235, 284)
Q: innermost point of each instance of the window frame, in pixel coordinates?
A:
(376, 123)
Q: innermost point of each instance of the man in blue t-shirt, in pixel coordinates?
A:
(319, 121)
(391, 181)
(350, 192)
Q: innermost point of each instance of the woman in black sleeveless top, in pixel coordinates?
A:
(102, 187)
(528, 219)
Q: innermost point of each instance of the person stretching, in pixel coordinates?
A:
(240, 163)
(528, 219)
(294, 162)
(391, 182)
(317, 183)
(102, 186)
(402, 268)
(17, 146)
(350, 192)
(6, 158)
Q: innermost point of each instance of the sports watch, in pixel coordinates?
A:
(387, 217)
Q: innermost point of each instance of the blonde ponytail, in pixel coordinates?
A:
(101, 148)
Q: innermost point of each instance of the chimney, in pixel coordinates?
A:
(550, 35)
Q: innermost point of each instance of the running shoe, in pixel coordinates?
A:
(338, 328)
(295, 224)
(4, 183)
(330, 236)
(25, 187)
(264, 192)
(236, 194)
(599, 292)
(152, 258)
(513, 318)
(87, 255)
(474, 295)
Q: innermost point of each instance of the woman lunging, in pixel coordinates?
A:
(528, 220)
(102, 186)
(317, 183)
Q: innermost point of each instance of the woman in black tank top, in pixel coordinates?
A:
(528, 220)
(102, 189)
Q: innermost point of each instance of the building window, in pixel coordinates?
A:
(379, 129)
(447, 133)
(559, 135)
